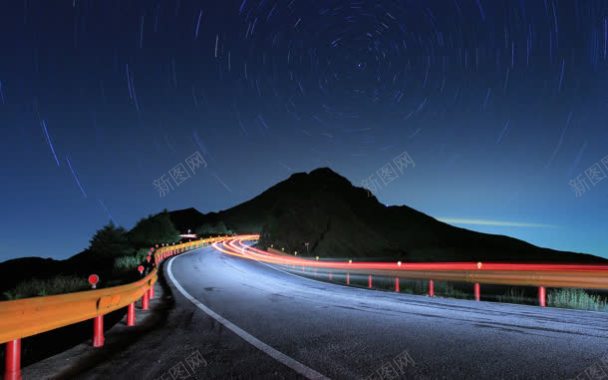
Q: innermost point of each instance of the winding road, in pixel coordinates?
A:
(246, 319)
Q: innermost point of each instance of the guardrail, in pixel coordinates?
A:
(542, 276)
(26, 317)
(30, 316)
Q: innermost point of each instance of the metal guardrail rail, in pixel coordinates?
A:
(540, 275)
(30, 316)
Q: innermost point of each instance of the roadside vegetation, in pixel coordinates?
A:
(129, 263)
(576, 299)
(46, 287)
(514, 295)
(563, 298)
(114, 254)
(213, 229)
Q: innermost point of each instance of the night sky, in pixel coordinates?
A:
(501, 108)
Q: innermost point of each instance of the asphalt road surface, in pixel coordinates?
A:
(237, 318)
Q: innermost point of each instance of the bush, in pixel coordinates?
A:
(576, 299)
(54, 285)
(141, 254)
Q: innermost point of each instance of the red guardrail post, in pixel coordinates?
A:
(477, 289)
(131, 314)
(330, 276)
(397, 284)
(431, 288)
(152, 291)
(369, 281)
(145, 301)
(98, 337)
(347, 278)
(542, 296)
(12, 358)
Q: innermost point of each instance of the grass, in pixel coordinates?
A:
(125, 264)
(445, 289)
(513, 295)
(54, 285)
(408, 286)
(576, 299)
(68, 283)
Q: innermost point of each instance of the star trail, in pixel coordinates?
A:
(502, 105)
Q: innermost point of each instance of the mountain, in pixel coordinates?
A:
(322, 214)
(187, 219)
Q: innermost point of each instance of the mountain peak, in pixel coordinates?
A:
(322, 176)
(318, 173)
(324, 171)
(324, 212)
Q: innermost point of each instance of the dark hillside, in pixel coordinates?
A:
(322, 213)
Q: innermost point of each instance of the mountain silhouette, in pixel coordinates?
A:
(322, 214)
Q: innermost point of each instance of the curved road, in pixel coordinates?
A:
(225, 305)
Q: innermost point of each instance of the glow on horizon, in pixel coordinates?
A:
(495, 223)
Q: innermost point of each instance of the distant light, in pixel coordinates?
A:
(317, 258)
(398, 263)
(350, 261)
(479, 265)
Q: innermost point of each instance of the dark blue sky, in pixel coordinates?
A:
(500, 104)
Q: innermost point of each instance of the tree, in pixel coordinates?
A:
(156, 229)
(109, 242)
